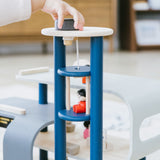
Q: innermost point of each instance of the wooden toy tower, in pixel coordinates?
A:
(61, 74)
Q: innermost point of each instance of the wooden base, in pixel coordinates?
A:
(117, 148)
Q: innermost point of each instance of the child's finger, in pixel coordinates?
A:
(81, 22)
(78, 19)
(80, 27)
(60, 19)
(75, 22)
(54, 16)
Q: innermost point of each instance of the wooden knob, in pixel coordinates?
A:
(67, 42)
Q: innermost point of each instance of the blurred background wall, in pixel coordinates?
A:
(136, 25)
(139, 24)
(102, 13)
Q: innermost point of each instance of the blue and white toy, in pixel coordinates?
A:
(140, 94)
(95, 71)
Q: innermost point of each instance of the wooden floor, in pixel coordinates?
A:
(117, 148)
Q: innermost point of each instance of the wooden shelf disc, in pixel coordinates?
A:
(73, 71)
(87, 32)
(72, 116)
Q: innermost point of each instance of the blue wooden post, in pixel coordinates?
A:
(59, 99)
(43, 99)
(43, 96)
(96, 115)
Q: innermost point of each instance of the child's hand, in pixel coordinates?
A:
(58, 9)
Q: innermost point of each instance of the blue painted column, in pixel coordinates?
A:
(43, 96)
(43, 99)
(59, 99)
(96, 114)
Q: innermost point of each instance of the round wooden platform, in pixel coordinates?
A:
(87, 32)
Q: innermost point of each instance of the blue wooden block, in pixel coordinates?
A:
(68, 25)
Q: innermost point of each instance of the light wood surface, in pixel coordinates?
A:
(68, 104)
(33, 70)
(87, 95)
(12, 109)
(117, 148)
(87, 32)
(31, 27)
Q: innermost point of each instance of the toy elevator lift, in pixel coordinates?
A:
(61, 76)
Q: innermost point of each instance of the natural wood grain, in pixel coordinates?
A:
(133, 43)
(87, 95)
(68, 104)
(87, 32)
(117, 148)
